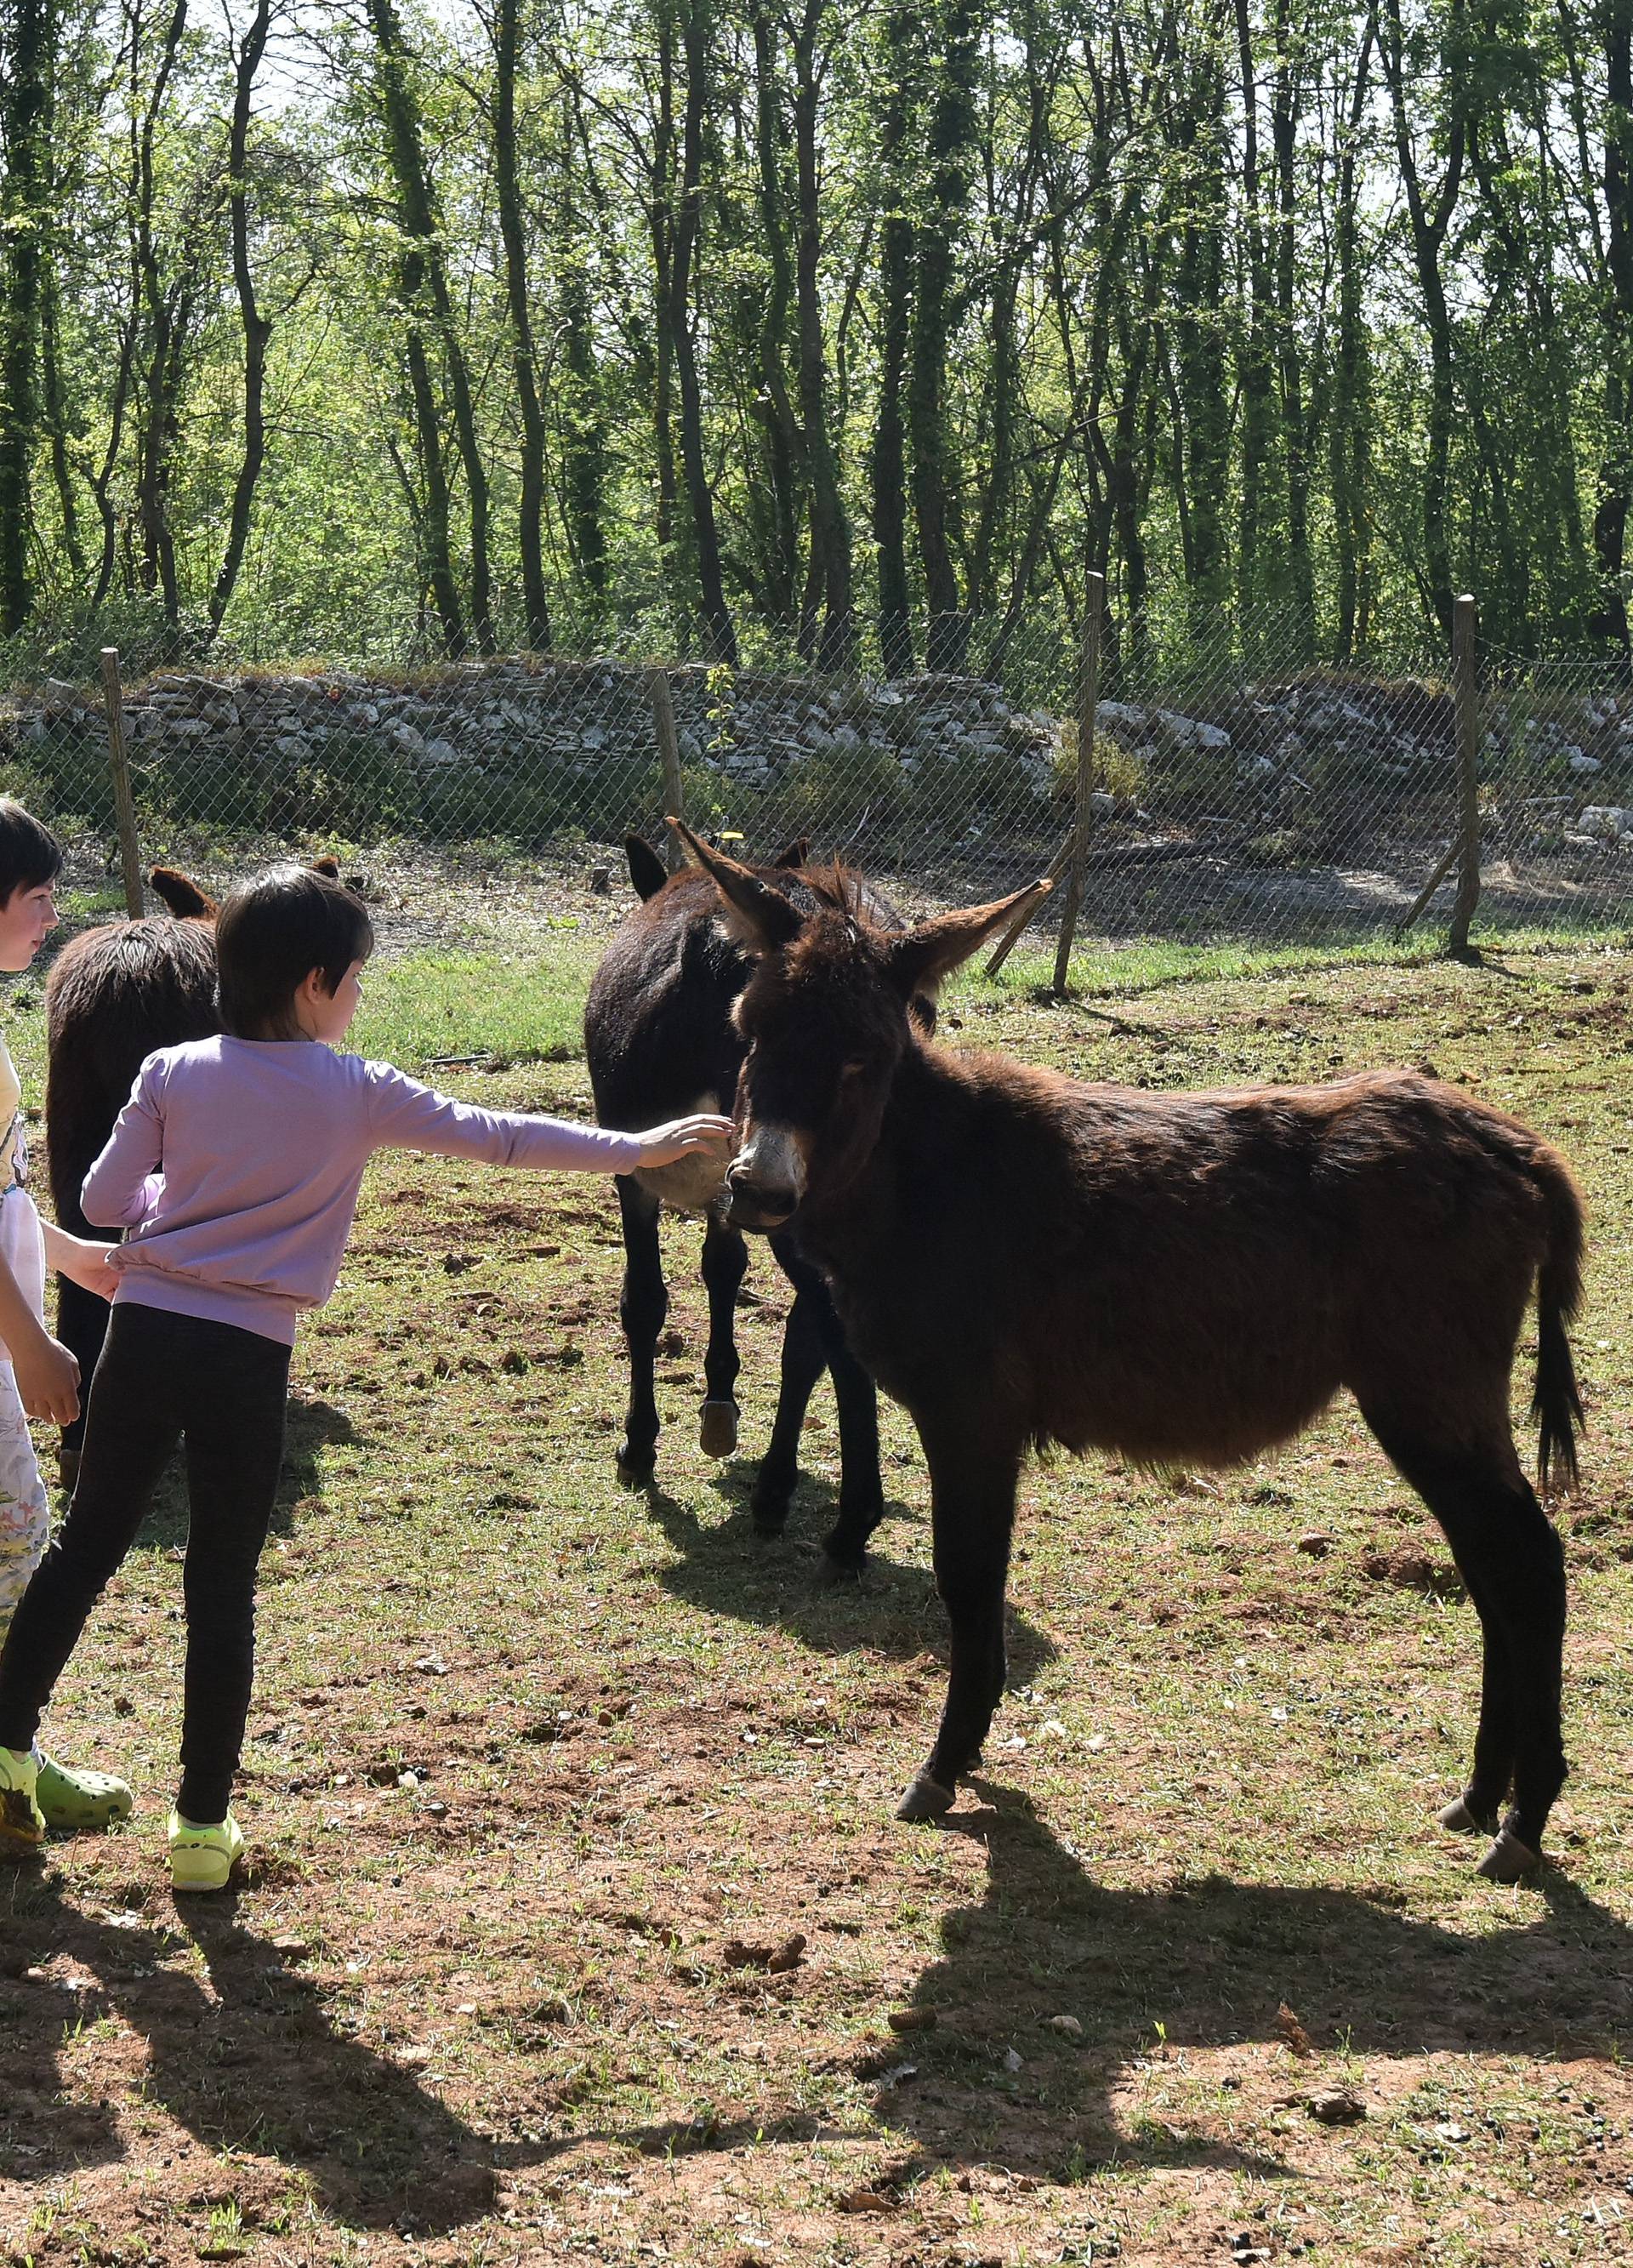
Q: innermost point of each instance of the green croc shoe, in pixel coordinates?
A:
(202, 1857)
(79, 1803)
(22, 1824)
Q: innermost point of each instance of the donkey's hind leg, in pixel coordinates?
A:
(726, 1259)
(1510, 1560)
(642, 1307)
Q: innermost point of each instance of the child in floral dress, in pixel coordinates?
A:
(38, 1377)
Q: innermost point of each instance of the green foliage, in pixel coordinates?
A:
(1268, 383)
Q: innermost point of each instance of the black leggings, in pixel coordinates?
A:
(162, 1377)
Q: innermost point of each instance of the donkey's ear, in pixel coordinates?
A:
(182, 895)
(919, 961)
(760, 917)
(327, 865)
(647, 870)
(795, 853)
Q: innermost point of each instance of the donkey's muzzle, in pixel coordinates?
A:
(757, 1205)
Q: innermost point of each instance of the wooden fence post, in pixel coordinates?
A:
(119, 765)
(1088, 701)
(669, 755)
(1466, 696)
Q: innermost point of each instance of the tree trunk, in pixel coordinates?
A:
(662, 225)
(168, 310)
(933, 470)
(830, 524)
(888, 464)
(774, 408)
(513, 235)
(1429, 226)
(700, 496)
(1348, 431)
(56, 420)
(1202, 445)
(1255, 362)
(257, 330)
(1295, 435)
(421, 228)
(584, 450)
(25, 130)
(1616, 475)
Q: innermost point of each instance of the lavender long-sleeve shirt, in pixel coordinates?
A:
(235, 1167)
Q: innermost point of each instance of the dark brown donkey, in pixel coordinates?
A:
(659, 1041)
(1184, 1280)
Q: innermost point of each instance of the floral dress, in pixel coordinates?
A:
(25, 1515)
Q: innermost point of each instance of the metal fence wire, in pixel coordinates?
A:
(1241, 792)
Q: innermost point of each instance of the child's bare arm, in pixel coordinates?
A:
(81, 1259)
(47, 1376)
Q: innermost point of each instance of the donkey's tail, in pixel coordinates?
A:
(1556, 1405)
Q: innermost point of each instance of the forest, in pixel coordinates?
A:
(840, 328)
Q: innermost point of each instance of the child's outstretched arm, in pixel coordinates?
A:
(122, 1185)
(405, 1116)
(661, 1145)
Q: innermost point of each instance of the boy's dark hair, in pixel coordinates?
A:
(30, 854)
(272, 933)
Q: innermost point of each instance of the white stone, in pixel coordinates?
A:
(1191, 731)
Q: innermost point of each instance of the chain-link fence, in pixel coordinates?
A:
(1242, 793)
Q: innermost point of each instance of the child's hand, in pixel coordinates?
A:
(85, 1262)
(661, 1145)
(47, 1379)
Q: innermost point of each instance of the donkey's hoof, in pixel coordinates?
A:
(925, 1799)
(1461, 1821)
(1509, 1859)
(837, 1574)
(635, 1472)
(717, 1429)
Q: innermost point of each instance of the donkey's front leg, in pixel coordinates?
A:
(801, 1367)
(642, 1307)
(725, 1257)
(814, 1337)
(973, 1514)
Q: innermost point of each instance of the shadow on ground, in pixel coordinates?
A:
(252, 2062)
(1212, 1963)
(726, 1568)
(310, 1428)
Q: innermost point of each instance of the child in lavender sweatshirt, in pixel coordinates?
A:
(234, 1168)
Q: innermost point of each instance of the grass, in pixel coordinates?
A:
(529, 1756)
